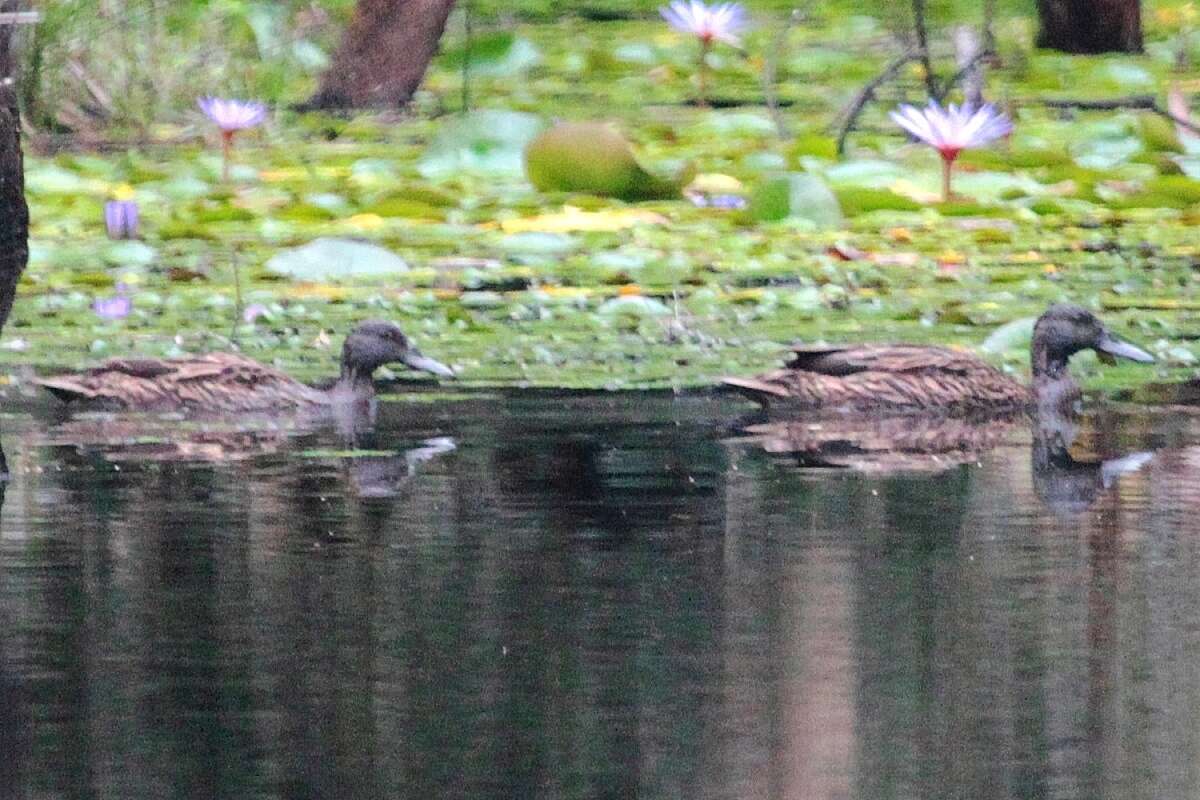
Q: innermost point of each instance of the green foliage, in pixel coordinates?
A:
(506, 283)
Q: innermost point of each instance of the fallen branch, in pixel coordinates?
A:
(865, 94)
(1137, 102)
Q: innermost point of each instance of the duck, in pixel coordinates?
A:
(230, 382)
(921, 378)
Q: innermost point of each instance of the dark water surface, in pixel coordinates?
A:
(595, 597)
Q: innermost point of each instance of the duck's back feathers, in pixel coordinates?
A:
(865, 377)
(216, 381)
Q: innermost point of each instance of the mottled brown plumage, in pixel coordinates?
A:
(924, 378)
(226, 382)
(883, 442)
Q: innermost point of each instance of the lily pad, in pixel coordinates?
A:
(798, 196)
(593, 157)
(329, 258)
(482, 142)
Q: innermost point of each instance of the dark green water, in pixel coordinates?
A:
(596, 598)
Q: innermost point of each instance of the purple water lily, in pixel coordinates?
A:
(231, 116)
(952, 129)
(253, 312)
(720, 22)
(115, 307)
(121, 219)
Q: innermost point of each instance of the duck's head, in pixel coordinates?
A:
(1066, 329)
(377, 342)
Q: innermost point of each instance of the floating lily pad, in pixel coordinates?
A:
(328, 258)
(798, 196)
(593, 157)
(482, 142)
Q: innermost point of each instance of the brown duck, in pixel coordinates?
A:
(226, 382)
(922, 378)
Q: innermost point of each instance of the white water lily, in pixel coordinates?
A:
(952, 129)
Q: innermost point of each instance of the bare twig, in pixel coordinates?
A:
(865, 94)
(1137, 102)
(918, 8)
(976, 60)
(989, 20)
(469, 34)
(771, 68)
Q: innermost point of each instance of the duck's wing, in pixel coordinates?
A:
(216, 381)
(853, 359)
(879, 376)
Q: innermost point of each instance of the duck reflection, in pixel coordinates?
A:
(1060, 481)
(912, 443)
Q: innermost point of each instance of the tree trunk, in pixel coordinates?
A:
(383, 54)
(1091, 26)
(14, 214)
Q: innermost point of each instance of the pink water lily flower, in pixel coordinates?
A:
(231, 116)
(121, 219)
(115, 307)
(952, 129)
(721, 22)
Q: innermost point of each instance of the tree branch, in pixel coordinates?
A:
(865, 94)
(1137, 102)
(918, 8)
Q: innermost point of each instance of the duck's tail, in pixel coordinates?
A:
(758, 390)
(64, 387)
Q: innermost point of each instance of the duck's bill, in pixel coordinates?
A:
(414, 360)
(1114, 347)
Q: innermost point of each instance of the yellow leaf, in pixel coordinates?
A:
(318, 290)
(364, 222)
(900, 235)
(715, 183)
(573, 219)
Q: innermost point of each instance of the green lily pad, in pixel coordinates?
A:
(130, 254)
(329, 258)
(593, 157)
(795, 195)
(497, 55)
(483, 142)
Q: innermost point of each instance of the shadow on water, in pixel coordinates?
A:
(599, 596)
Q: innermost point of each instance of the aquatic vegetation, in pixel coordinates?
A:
(231, 116)
(720, 22)
(952, 129)
(508, 280)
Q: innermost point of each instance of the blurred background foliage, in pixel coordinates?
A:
(97, 63)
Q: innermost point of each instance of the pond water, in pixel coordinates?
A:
(595, 596)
